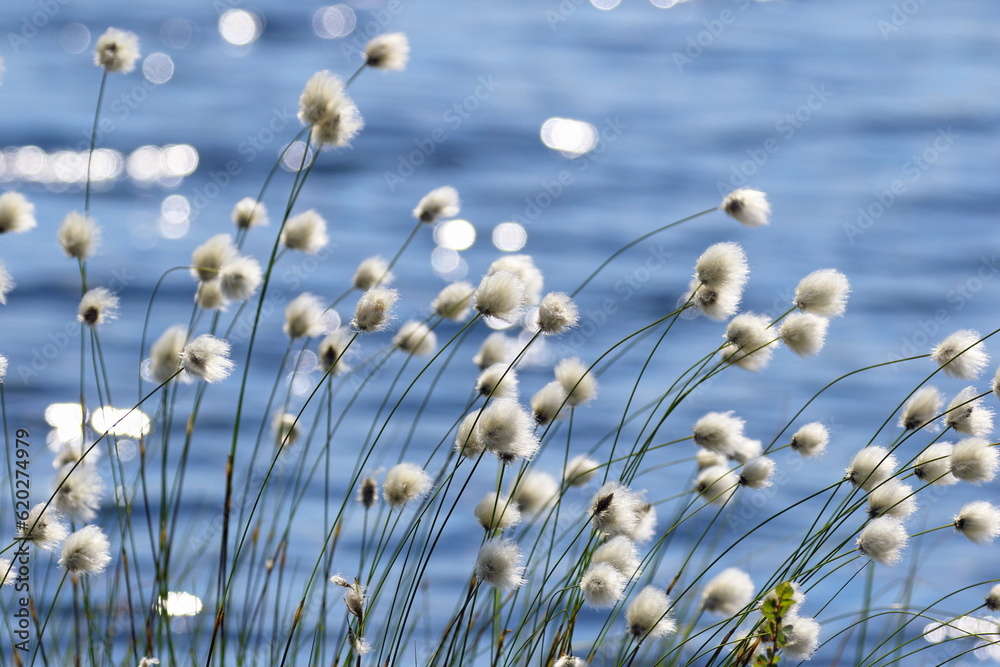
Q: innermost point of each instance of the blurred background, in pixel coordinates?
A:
(569, 127)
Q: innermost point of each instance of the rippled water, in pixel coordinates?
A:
(871, 125)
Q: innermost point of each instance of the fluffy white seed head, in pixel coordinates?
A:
(494, 350)
(287, 429)
(993, 598)
(750, 343)
(438, 203)
(548, 402)
(620, 553)
(535, 492)
(580, 470)
(921, 409)
(979, 521)
(648, 614)
(570, 661)
(883, 540)
(248, 212)
(811, 440)
(719, 277)
(78, 235)
(4, 362)
(332, 349)
(757, 473)
(322, 93)
(116, 51)
(961, 355)
(500, 295)
(372, 271)
(716, 484)
(239, 278)
(996, 384)
(497, 512)
(974, 460)
(208, 296)
(933, 465)
(602, 585)
(415, 338)
(7, 573)
(17, 214)
(966, 414)
(891, 498)
(577, 381)
(719, 432)
(522, 266)
(801, 637)
(208, 258)
(614, 509)
(79, 494)
(339, 126)
(374, 309)
(165, 353)
(645, 526)
(728, 592)
(498, 381)
(823, 293)
(747, 206)
(97, 306)
(404, 483)
(45, 529)
(207, 358)
(467, 440)
(454, 301)
(6, 283)
(388, 51)
(804, 333)
(306, 232)
(870, 467)
(746, 449)
(86, 552)
(501, 564)
(706, 458)
(557, 313)
(507, 430)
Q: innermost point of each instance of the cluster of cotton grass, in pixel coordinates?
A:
(557, 554)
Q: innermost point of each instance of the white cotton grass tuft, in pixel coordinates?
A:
(719, 432)
(500, 295)
(535, 492)
(415, 338)
(522, 266)
(801, 637)
(209, 296)
(996, 384)
(326, 109)
(207, 259)
(746, 449)
(4, 362)
(961, 355)
(332, 349)
(501, 564)
(305, 232)
(749, 207)
(811, 440)
(17, 214)
(374, 309)
(719, 277)
(870, 467)
(97, 306)
(823, 292)
(892, 498)
(992, 600)
(116, 50)
(207, 358)
(437, 204)
(404, 483)
(645, 525)
(933, 465)
(44, 527)
(753, 341)
(6, 283)
(979, 521)
(248, 212)
(79, 492)
(883, 540)
(368, 492)
(757, 473)
(716, 484)
(85, 552)
(966, 414)
(339, 127)
(239, 278)
(287, 429)
(603, 585)
(371, 272)
(580, 470)
(494, 350)
(705, 458)
(804, 333)
(165, 353)
(614, 510)
(498, 381)
(78, 236)
(728, 592)
(7, 573)
(467, 440)
(548, 402)
(507, 430)
(648, 614)
(620, 553)
(974, 460)
(497, 512)
(921, 409)
(570, 661)
(388, 51)
(557, 313)
(577, 380)
(454, 301)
